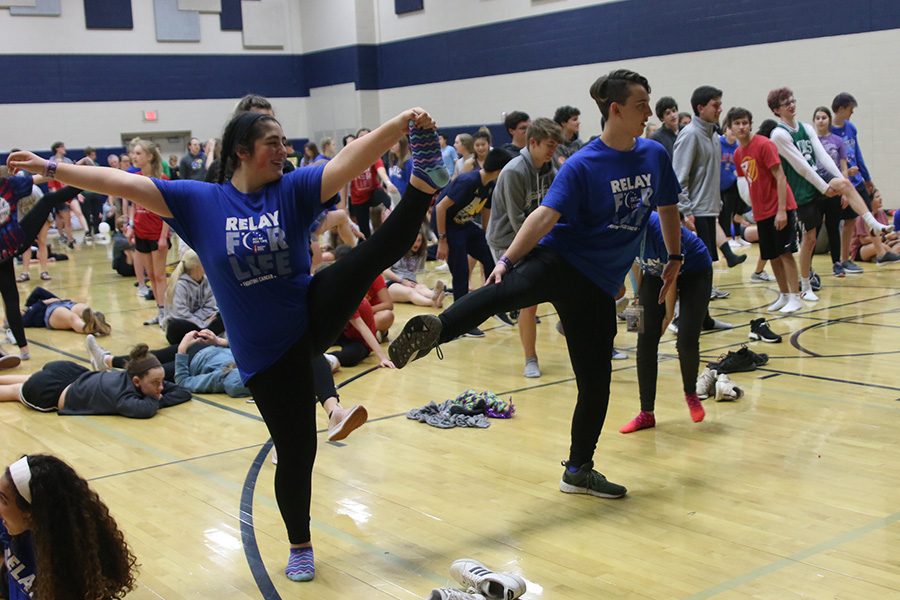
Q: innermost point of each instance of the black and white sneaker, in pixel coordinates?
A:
(759, 331)
(419, 336)
(474, 333)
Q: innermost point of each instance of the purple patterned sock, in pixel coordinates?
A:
(301, 566)
(428, 165)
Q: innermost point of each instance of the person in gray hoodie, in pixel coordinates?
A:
(696, 157)
(521, 187)
(191, 303)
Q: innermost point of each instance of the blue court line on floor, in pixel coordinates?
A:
(798, 558)
(248, 533)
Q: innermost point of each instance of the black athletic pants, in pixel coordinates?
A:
(31, 225)
(285, 392)
(693, 291)
(588, 316)
(176, 329)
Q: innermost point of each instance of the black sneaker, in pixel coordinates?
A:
(758, 358)
(734, 362)
(505, 318)
(588, 481)
(419, 336)
(474, 332)
(759, 331)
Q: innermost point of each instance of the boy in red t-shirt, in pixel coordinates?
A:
(774, 207)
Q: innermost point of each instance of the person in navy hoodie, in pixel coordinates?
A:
(251, 232)
(58, 539)
(574, 250)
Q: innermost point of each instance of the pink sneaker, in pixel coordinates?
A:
(696, 408)
(644, 420)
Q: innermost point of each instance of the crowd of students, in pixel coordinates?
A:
(318, 247)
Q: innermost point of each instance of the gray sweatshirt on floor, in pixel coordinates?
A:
(696, 162)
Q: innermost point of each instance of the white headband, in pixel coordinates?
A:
(21, 476)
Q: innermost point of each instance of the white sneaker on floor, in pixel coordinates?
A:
(734, 244)
(706, 383)
(334, 362)
(474, 575)
(791, 306)
(451, 594)
(619, 355)
(142, 290)
(726, 390)
(809, 296)
(442, 267)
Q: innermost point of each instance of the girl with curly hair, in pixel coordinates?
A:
(71, 549)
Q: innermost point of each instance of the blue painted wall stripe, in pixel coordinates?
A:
(610, 32)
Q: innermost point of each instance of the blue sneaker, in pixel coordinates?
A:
(851, 268)
(838, 270)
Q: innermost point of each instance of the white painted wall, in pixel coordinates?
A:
(67, 34)
(816, 69)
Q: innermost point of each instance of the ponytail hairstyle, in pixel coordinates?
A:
(152, 151)
(80, 551)
(140, 361)
(188, 262)
(243, 129)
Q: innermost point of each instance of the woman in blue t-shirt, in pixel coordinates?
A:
(692, 289)
(57, 536)
(251, 232)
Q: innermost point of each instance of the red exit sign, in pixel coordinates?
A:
(151, 115)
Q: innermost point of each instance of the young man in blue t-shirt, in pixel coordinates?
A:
(574, 251)
(843, 106)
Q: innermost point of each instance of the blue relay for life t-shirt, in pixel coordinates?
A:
(605, 197)
(255, 250)
(20, 561)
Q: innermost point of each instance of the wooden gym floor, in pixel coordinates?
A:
(791, 492)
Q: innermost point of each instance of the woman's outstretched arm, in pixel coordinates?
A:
(111, 182)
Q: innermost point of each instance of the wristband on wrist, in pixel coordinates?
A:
(506, 262)
(442, 236)
(679, 257)
(50, 169)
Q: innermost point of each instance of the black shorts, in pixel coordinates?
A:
(706, 231)
(145, 246)
(848, 212)
(774, 242)
(811, 213)
(42, 390)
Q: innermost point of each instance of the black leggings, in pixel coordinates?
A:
(31, 225)
(588, 316)
(176, 329)
(832, 209)
(93, 211)
(693, 291)
(285, 392)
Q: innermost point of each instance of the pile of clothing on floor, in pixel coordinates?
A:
(469, 409)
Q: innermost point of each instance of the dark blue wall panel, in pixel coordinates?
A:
(616, 31)
(401, 7)
(231, 18)
(108, 14)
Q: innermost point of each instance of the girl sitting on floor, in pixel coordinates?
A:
(401, 278)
